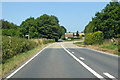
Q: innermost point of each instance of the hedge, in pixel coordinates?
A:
(94, 38)
(12, 46)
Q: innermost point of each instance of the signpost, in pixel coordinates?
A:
(27, 36)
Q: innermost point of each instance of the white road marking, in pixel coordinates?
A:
(26, 63)
(72, 52)
(84, 65)
(82, 58)
(108, 75)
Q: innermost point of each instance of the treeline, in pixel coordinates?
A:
(44, 26)
(106, 21)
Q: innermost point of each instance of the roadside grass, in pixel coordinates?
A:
(107, 46)
(79, 43)
(17, 60)
(110, 47)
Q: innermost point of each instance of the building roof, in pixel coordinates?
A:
(68, 34)
(71, 34)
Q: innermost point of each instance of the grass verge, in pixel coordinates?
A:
(106, 47)
(79, 43)
(17, 60)
(110, 47)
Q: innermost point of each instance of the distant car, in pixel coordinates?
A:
(69, 39)
(60, 40)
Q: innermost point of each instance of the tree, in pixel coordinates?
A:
(44, 26)
(107, 21)
(77, 34)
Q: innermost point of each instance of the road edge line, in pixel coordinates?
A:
(83, 64)
(109, 75)
(9, 76)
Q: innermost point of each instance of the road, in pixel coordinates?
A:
(66, 60)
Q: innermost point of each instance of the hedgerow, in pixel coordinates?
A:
(94, 38)
(12, 46)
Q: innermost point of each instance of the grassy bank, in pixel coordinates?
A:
(107, 46)
(17, 50)
(15, 61)
(12, 46)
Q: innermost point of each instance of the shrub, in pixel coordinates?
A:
(89, 38)
(94, 38)
(56, 38)
(45, 41)
(98, 37)
(12, 46)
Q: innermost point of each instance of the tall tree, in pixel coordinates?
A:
(107, 21)
(77, 34)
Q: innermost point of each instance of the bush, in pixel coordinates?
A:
(94, 38)
(56, 38)
(12, 46)
(89, 39)
(45, 41)
(63, 37)
(98, 37)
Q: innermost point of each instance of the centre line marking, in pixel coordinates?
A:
(84, 65)
(72, 52)
(82, 58)
(108, 75)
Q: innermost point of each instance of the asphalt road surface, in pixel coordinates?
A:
(66, 60)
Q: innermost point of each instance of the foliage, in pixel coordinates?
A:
(8, 25)
(89, 38)
(10, 32)
(98, 37)
(10, 29)
(77, 34)
(56, 38)
(45, 41)
(94, 38)
(44, 26)
(79, 43)
(110, 47)
(12, 46)
(107, 21)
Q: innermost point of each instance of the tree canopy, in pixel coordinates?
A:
(44, 26)
(107, 21)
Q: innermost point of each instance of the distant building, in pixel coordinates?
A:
(70, 35)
